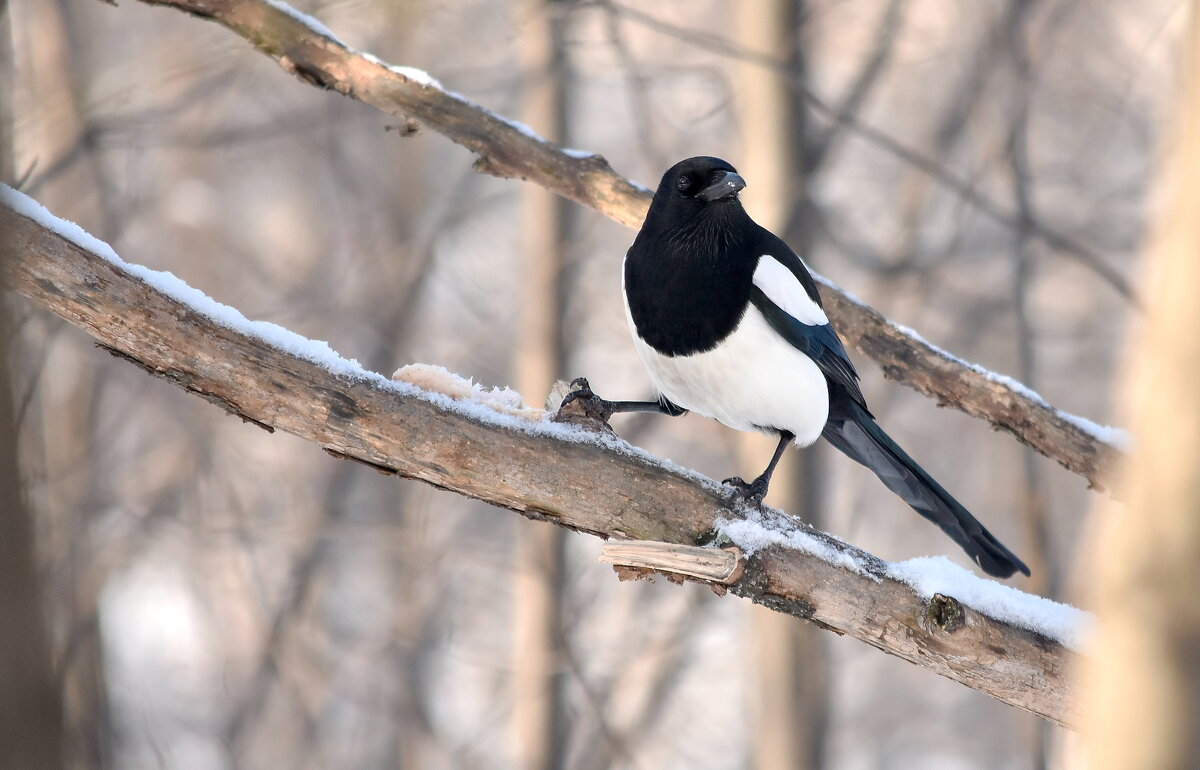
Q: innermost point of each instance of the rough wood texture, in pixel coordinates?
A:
(710, 565)
(580, 486)
(504, 150)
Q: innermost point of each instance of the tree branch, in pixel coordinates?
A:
(538, 469)
(508, 149)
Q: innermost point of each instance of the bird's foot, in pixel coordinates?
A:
(583, 407)
(752, 492)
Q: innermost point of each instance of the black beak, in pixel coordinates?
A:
(727, 185)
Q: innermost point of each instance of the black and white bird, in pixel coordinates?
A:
(729, 324)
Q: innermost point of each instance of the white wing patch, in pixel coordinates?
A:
(786, 291)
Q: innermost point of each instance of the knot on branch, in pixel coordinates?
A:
(946, 613)
(310, 73)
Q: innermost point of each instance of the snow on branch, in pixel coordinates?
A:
(506, 148)
(992, 638)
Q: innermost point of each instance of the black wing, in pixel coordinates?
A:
(817, 341)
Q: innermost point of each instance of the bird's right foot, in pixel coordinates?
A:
(752, 492)
(581, 404)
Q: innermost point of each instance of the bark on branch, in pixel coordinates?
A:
(582, 486)
(506, 149)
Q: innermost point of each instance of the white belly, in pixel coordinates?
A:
(752, 380)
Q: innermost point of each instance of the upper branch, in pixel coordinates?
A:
(508, 149)
(535, 468)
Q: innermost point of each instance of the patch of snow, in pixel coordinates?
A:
(31, 209)
(931, 575)
(441, 380)
(308, 21)
(535, 136)
(521, 127)
(760, 529)
(1118, 437)
(418, 76)
(926, 576)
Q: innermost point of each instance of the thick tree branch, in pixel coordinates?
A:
(507, 149)
(536, 471)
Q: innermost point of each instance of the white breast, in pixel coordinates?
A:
(752, 380)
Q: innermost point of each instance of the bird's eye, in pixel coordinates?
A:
(683, 184)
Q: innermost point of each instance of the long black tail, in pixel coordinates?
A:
(854, 432)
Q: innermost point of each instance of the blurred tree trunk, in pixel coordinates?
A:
(792, 692)
(60, 431)
(538, 658)
(31, 714)
(1143, 706)
(1016, 30)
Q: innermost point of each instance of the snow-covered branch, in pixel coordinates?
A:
(305, 48)
(987, 636)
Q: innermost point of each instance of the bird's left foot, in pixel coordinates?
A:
(582, 406)
(752, 492)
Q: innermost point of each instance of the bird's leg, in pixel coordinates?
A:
(601, 409)
(756, 490)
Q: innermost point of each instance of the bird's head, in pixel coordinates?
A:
(697, 184)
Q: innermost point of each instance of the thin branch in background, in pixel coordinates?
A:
(95, 130)
(671, 651)
(244, 715)
(612, 742)
(822, 147)
(638, 88)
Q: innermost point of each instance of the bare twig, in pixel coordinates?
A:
(868, 76)
(508, 149)
(539, 473)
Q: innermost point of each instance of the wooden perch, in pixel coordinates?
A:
(579, 485)
(508, 150)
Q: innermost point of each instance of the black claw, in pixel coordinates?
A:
(752, 492)
(580, 389)
(585, 405)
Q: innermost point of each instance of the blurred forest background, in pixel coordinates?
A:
(224, 598)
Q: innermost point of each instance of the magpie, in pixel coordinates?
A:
(730, 325)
